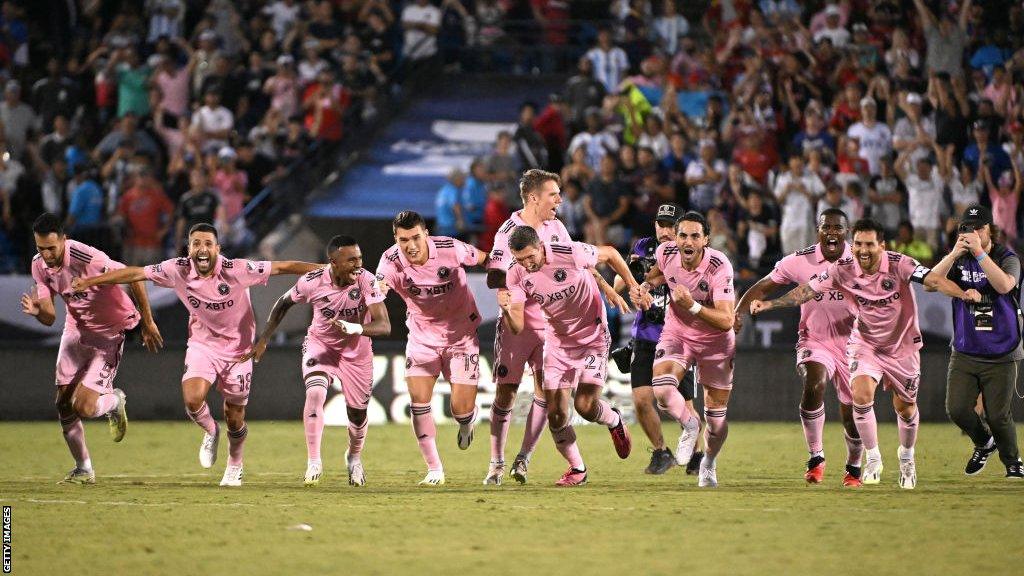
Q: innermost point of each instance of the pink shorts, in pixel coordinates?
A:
(569, 367)
(356, 375)
(835, 365)
(512, 352)
(93, 364)
(900, 375)
(459, 363)
(232, 379)
(714, 362)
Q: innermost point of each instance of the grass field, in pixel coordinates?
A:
(155, 511)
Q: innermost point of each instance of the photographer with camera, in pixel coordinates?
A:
(986, 345)
(637, 357)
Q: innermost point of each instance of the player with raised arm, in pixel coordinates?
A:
(698, 332)
(348, 309)
(221, 328)
(93, 338)
(885, 343)
(825, 326)
(557, 277)
(428, 273)
(541, 196)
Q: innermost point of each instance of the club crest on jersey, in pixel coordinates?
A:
(554, 238)
(311, 362)
(193, 301)
(528, 285)
(853, 365)
(501, 370)
(354, 294)
(223, 289)
(443, 272)
(805, 354)
(408, 363)
(888, 284)
(380, 276)
(560, 275)
(702, 285)
(659, 353)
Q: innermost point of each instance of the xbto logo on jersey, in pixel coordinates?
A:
(888, 284)
(443, 272)
(560, 275)
(223, 289)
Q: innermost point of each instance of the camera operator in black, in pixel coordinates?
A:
(637, 357)
(986, 346)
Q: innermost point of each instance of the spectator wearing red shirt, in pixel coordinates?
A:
(146, 212)
(550, 124)
(324, 102)
(756, 158)
(847, 112)
(553, 17)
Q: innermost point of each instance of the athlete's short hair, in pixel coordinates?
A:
(694, 216)
(340, 241)
(204, 227)
(48, 223)
(522, 237)
(533, 179)
(407, 220)
(869, 225)
(834, 212)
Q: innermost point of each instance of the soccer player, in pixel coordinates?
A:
(698, 331)
(541, 196)
(221, 326)
(348, 308)
(556, 276)
(885, 343)
(427, 272)
(93, 338)
(825, 326)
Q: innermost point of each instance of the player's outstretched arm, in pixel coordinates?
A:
(794, 297)
(292, 267)
(151, 337)
(41, 308)
(380, 323)
(277, 313)
(123, 276)
(949, 288)
(512, 312)
(758, 291)
(611, 293)
(611, 256)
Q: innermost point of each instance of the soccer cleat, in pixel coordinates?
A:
(495, 472)
(572, 477)
(661, 460)
(1015, 471)
(687, 442)
(313, 472)
(620, 437)
(519, 470)
(815, 470)
(79, 476)
(908, 474)
(356, 475)
(118, 417)
(708, 477)
(852, 476)
(433, 478)
(208, 448)
(977, 461)
(694, 463)
(872, 473)
(232, 476)
(466, 435)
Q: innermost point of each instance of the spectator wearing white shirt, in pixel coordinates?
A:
(833, 30)
(165, 18)
(874, 137)
(212, 124)
(925, 188)
(283, 14)
(610, 61)
(797, 192)
(594, 140)
(670, 27)
(705, 177)
(421, 22)
(915, 132)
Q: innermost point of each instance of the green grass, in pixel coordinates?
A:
(155, 511)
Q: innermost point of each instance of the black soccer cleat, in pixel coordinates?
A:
(694, 463)
(978, 459)
(1015, 470)
(661, 461)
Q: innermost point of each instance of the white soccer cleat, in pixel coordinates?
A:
(466, 435)
(208, 448)
(232, 476)
(118, 417)
(433, 478)
(872, 473)
(495, 472)
(707, 477)
(687, 442)
(908, 470)
(314, 469)
(356, 475)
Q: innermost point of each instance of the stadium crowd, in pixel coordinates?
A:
(765, 113)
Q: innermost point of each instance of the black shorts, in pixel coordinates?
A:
(641, 370)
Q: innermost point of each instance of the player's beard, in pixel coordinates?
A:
(203, 266)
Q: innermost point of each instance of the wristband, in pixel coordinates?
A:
(695, 308)
(352, 327)
(981, 256)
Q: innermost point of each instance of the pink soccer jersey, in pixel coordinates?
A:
(567, 292)
(886, 306)
(100, 310)
(332, 302)
(501, 257)
(220, 312)
(442, 309)
(827, 319)
(710, 281)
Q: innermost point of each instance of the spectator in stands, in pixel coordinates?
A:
(704, 176)
(758, 238)
(132, 81)
(421, 21)
(147, 213)
(571, 211)
(945, 39)
(606, 203)
(924, 197)
(325, 102)
(594, 140)
(582, 93)
(551, 125)
(54, 145)
(449, 217)
(495, 213)
(983, 152)
(212, 124)
(670, 27)
(199, 205)
(608, 61)
(885, 198)
(530, 147)
(503, 168)
(126, 135)
(18, 119)
(54, 95)
(1004, 195)
(85, 209)
(874, 137)
(797, 193)
(907, 242)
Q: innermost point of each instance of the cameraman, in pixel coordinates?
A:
(637, 357)
(986, 344)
